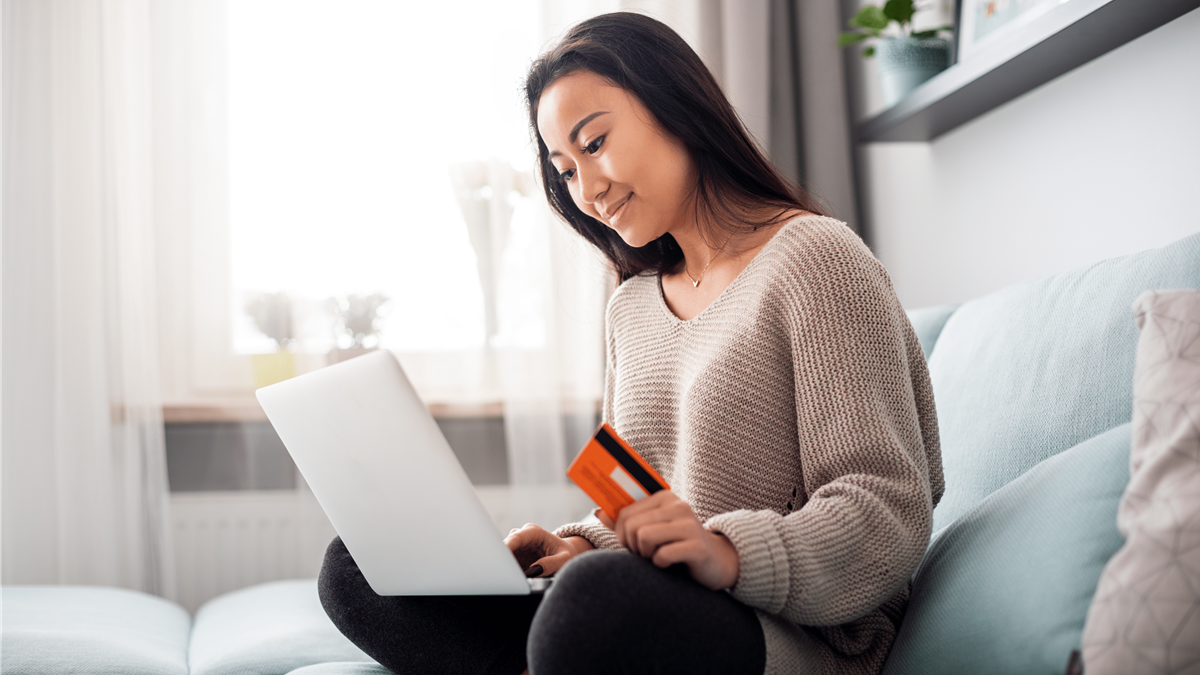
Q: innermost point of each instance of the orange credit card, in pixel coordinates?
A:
(611, 472)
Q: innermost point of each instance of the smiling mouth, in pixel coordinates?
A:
(610, 216)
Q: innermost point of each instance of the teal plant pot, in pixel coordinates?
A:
(905, 63)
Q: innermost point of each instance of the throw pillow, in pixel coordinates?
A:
(1004, 590)
(1145, 617)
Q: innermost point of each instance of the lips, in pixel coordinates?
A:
(610, 215)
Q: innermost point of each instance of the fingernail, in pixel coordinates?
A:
(534, 571)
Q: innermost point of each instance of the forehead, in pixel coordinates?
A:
(571, 98)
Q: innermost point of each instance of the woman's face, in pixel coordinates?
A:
(620, 166)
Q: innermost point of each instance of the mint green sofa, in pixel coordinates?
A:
(270, 629)
(1034, 392)
(1033, 385)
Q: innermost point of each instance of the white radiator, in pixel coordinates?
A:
(230, 540)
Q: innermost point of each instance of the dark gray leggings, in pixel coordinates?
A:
(607, 612)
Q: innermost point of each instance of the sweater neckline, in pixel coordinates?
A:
(662, 297)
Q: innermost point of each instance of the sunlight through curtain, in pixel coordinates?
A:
(85, 489)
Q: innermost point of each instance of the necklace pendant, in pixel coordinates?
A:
(695, 283)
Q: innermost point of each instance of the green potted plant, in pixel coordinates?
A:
(906, 57)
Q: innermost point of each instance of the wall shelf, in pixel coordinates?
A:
(1069, 36)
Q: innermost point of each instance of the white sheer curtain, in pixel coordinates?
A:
(544, 290)
(85, 490)
(555, 282)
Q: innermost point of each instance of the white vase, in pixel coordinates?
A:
(905, 63)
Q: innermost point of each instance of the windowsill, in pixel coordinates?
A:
(250, 411)
(183, 414)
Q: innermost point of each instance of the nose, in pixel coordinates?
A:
(592, 184)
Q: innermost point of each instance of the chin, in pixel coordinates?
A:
(637, 238)
(637, 242)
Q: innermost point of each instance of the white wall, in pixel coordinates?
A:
(1101, 162)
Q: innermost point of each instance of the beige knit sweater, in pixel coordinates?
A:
(795, 416)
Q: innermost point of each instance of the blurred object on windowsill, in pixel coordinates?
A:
(272, 368)
(272, 313)
(357, 323)
(358, 319)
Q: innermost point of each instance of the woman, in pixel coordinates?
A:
(757, 357)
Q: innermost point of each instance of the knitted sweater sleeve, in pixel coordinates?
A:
(859, 375)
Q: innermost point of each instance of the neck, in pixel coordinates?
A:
(698, 251)
(702, 248)
(703, 251)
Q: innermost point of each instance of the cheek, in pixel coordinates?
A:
(663, 174)
(681, 170)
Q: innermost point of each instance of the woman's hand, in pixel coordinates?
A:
(541, 553)
(663, 528)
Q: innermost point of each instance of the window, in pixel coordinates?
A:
(359, 136)
(362, 148)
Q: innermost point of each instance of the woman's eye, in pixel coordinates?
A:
(594, 145)
(566, 175)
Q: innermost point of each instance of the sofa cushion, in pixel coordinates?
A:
(84, 629)
(928, 323)
(1029, 371)
(270, 629)
(343, 668)
(1009, 583)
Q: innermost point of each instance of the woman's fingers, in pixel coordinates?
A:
(529, 543)
(687, 551)
(635, 511)
(652, 536)
(667, 509)
(550, 565)
(603, 518)
(540, 552)
(629, 526)
(707, 565)
(665, 529)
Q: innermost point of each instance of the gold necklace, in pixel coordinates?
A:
(696, 280)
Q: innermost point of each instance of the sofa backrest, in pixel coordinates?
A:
(928, 323)
(1031, 370)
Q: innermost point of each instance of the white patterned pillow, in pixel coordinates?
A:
(1145, 615)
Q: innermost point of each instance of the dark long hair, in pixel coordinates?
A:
(646, 58)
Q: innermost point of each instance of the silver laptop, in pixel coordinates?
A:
(389, 482)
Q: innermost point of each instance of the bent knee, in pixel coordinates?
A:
(618, 575)
(340, 581)
(602, 597)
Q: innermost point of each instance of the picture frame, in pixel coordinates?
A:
(996, 67)
(985, 26)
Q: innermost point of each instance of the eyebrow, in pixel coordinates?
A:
(577, 128)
